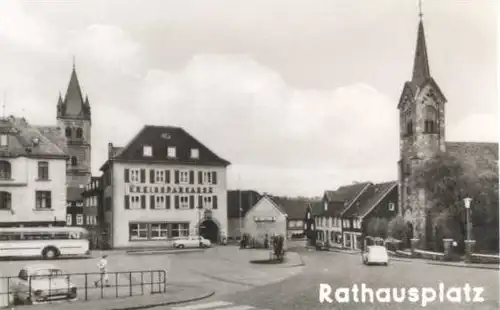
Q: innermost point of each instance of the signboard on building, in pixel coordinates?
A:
(159, 189)
(264, 219)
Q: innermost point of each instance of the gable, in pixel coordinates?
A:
(265, 207)
(159, 138)
(408, 93)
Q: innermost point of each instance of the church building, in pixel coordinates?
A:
(422, 136)
(74, 119)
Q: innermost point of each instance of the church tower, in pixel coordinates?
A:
(73, 117)
(422, 136)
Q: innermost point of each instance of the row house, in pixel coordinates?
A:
(32, 174)
(92, 211)
(163, 184)
(238, 204)
(341, 218)
(74, 207)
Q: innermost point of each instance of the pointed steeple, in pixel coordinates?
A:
(421, 71)
(73, 101)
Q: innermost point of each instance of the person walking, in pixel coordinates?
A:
(103, 268)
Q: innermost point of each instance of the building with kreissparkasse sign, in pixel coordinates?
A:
(164, 184)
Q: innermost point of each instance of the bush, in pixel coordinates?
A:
(397, 228)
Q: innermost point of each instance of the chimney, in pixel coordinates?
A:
(110, 150)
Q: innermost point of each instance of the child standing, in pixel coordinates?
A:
(103, 268)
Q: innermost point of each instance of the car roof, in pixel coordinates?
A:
(35, 267)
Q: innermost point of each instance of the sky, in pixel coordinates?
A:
(300, 96)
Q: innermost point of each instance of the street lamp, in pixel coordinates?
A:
(467, 202)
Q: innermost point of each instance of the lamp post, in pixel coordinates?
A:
(467, 202)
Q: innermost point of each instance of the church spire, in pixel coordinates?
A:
(421, 71)
(73, 101)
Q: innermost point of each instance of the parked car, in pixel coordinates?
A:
(39, 283)
(192, 242)
(375, 254)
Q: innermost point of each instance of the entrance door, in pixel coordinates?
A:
(209, 230)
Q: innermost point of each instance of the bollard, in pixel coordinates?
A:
(469, 250)
(414, 246)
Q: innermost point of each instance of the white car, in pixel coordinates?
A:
(375, 254)
(192, 242)
(39, 283)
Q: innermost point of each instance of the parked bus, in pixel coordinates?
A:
(47, 242)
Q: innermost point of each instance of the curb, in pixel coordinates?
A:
(164, 252)
(168, 303)
(495, 267)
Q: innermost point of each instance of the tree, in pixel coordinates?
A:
(446, 182)
(397, 228)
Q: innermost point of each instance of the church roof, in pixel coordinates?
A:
(476, 157)
(73, 104)
(31, 141)
(421, 71)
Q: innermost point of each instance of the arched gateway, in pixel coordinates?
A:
(209, 230)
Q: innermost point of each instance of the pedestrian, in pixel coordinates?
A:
(103, 268)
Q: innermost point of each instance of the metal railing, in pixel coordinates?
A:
(83, 286)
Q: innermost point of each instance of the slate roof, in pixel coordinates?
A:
(248, 199)
(316, 207)
(369, 198)
(476, 157)
(160, 138)
(30, 141)
(73, 104)
(295, 208)
(340, 199)
(268, 198)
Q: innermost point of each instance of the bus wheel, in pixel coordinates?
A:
(49, 253)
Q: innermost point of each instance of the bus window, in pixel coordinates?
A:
(73, 235)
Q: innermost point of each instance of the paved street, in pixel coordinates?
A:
(224, 269)
(344, 270)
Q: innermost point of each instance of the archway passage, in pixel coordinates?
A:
(209, 230)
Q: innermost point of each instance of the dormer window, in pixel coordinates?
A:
(4, 140)
(147, 150)
(195, 153)
(171, 152)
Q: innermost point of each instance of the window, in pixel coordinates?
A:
(160, 202)
(207, 202)
(409, 128)
(147, 150)
(326, 206)
(68, 132)
(43, 170)
(195, 153)
(135, 202)
(138, 231)
(159, 176)
(43, 200)
(171, 152)
(135, 175)
(5, 201)
(180, 230)
(391, 206)
(184, 177)
(79, 219)
(74, 161)
(207, 177)
(4, 170)
(430, 124)
(159, 231)
(79, 133)
(184, 202)
(4, 140)
(69, 220)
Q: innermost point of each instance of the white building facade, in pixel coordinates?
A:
(265, 218)
(156, 191)
(32, 176)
